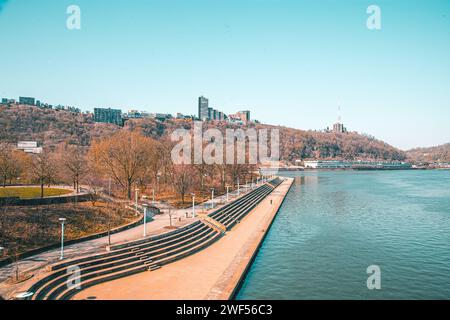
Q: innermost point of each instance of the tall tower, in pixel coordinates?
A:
(339, 115)
(203, 105)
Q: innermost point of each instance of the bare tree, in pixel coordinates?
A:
(124, 157)
(73, 161)
(43, 170)
(181, 176)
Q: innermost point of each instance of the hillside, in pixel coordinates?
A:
(433, 154)
(51, 127)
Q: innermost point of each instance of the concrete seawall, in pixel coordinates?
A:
(214, 273)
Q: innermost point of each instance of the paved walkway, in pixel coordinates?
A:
(212, 273)
(37, 264)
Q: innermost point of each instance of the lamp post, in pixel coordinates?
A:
(228, 192)
(212, 198)
(193, 205)
(203, 181)
(153, 201)
(62, 220)
(239, 188)
(136, 194)
(109, 224)
(157, 182)
(145, 219)
(170, 217)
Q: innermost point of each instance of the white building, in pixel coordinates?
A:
(29, 147)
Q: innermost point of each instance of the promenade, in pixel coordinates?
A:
(37, 265)
(213, 273)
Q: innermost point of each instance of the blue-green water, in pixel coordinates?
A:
(333, 225)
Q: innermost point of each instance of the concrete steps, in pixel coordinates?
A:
(122, 257)
(147, 254)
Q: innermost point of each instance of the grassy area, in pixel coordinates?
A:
(25, 228)
(31, 192)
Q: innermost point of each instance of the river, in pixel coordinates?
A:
(333, 225)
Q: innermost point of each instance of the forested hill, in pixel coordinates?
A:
(434, 154)
(51, 127)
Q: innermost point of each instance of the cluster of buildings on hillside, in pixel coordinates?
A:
(206, 113)
(30, 101)
(117, 117)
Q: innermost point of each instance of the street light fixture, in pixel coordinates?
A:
(212, 198)
(136, 194)
(193, 205)
(157, 182)
(62, 220)
(239, 187)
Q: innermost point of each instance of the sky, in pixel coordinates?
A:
(291, 62)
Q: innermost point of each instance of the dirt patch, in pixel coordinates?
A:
(27, 228)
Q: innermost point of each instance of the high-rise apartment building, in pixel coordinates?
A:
(109, 115)
(27, 100)
(203, 109)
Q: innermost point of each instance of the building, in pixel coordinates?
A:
(356, 165)
(163, 116)
(27, 100)
(109, 115)
(339, 128)
(29, 147)
(8, 101)
(244, 115)
(241, 117)
(134, 114)
(206, 113)
(325, 164)
(210, 113)
(203, 109)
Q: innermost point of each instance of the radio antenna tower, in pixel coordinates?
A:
(339, 115)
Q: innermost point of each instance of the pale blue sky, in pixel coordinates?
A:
(289, 62)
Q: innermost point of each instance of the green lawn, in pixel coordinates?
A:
(31, 192)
